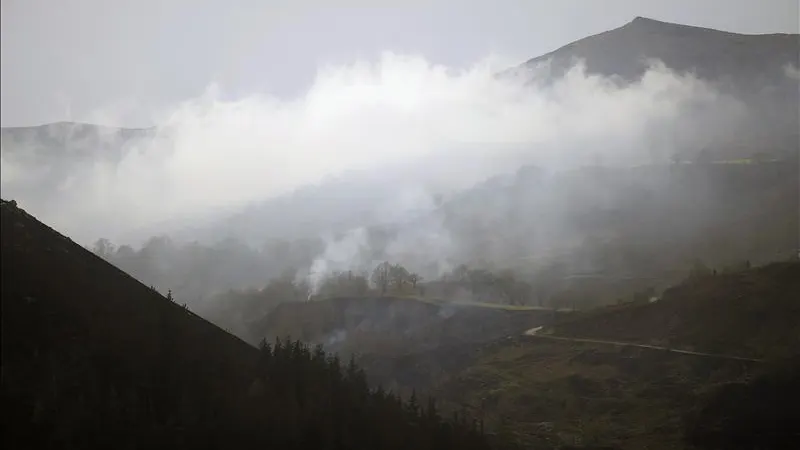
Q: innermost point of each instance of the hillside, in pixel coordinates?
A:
(94, 359)
(393, 325)
(711, 54)
(758, 69)
(631, 226)
(752, 68)
(748, 313)
(75, 327)
(545, 393)
(69, 142)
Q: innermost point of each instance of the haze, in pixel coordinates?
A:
(120, 61)
(251, 103)
(289, 123)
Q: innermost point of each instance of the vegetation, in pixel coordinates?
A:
(307, 400)
(605, 242)
(746, 312)
(760, 413)
(645, 258)
(94, 359)
(545, 394)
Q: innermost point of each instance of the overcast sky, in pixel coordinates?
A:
(68, 59)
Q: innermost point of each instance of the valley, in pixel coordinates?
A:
(613, 265)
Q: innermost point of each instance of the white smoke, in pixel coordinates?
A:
(791, 72)
(403, 116)
(349, 252)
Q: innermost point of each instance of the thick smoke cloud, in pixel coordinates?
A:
(428, 128)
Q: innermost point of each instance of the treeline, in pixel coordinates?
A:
(299, 398)
(463, 282)
(307, 399)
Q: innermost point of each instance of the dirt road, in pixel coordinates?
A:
(533, 333)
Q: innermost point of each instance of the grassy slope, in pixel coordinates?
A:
(552, 393)
(555, 393)
(73, 323)
(750, 313)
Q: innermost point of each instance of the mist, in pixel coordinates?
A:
(426, 128)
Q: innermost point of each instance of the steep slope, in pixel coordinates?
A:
(754, 68)
(76, 330)
(94, 359)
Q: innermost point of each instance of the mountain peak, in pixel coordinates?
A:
(641, 19)
(646, 22)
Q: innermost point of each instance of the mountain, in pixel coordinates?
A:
(710, 54)
(94, 359)
(65, 141)
(760, 70)
(757, 69)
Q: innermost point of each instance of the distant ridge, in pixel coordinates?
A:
(66, 124)
(710, 53)
(651, 24)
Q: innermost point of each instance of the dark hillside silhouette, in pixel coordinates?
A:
(94, 359)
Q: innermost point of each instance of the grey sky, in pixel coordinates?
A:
(64, 59)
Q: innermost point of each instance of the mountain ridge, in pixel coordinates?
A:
(616, 51)
(744, 63)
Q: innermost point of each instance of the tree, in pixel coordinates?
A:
(343, 284)
(359, 284)
(461, 273)
(380, 276)
(414, 278)
(398, 275)
(103, 248)
(480, 280)
(507, 282)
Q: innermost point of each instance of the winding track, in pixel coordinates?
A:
(532, 333)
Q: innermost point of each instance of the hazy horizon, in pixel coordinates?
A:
(348, 120)
(155, 55)
(429, 128)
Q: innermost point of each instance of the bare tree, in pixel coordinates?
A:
(398, 275)
(380, 276)
(414, 278)
(103, 248)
